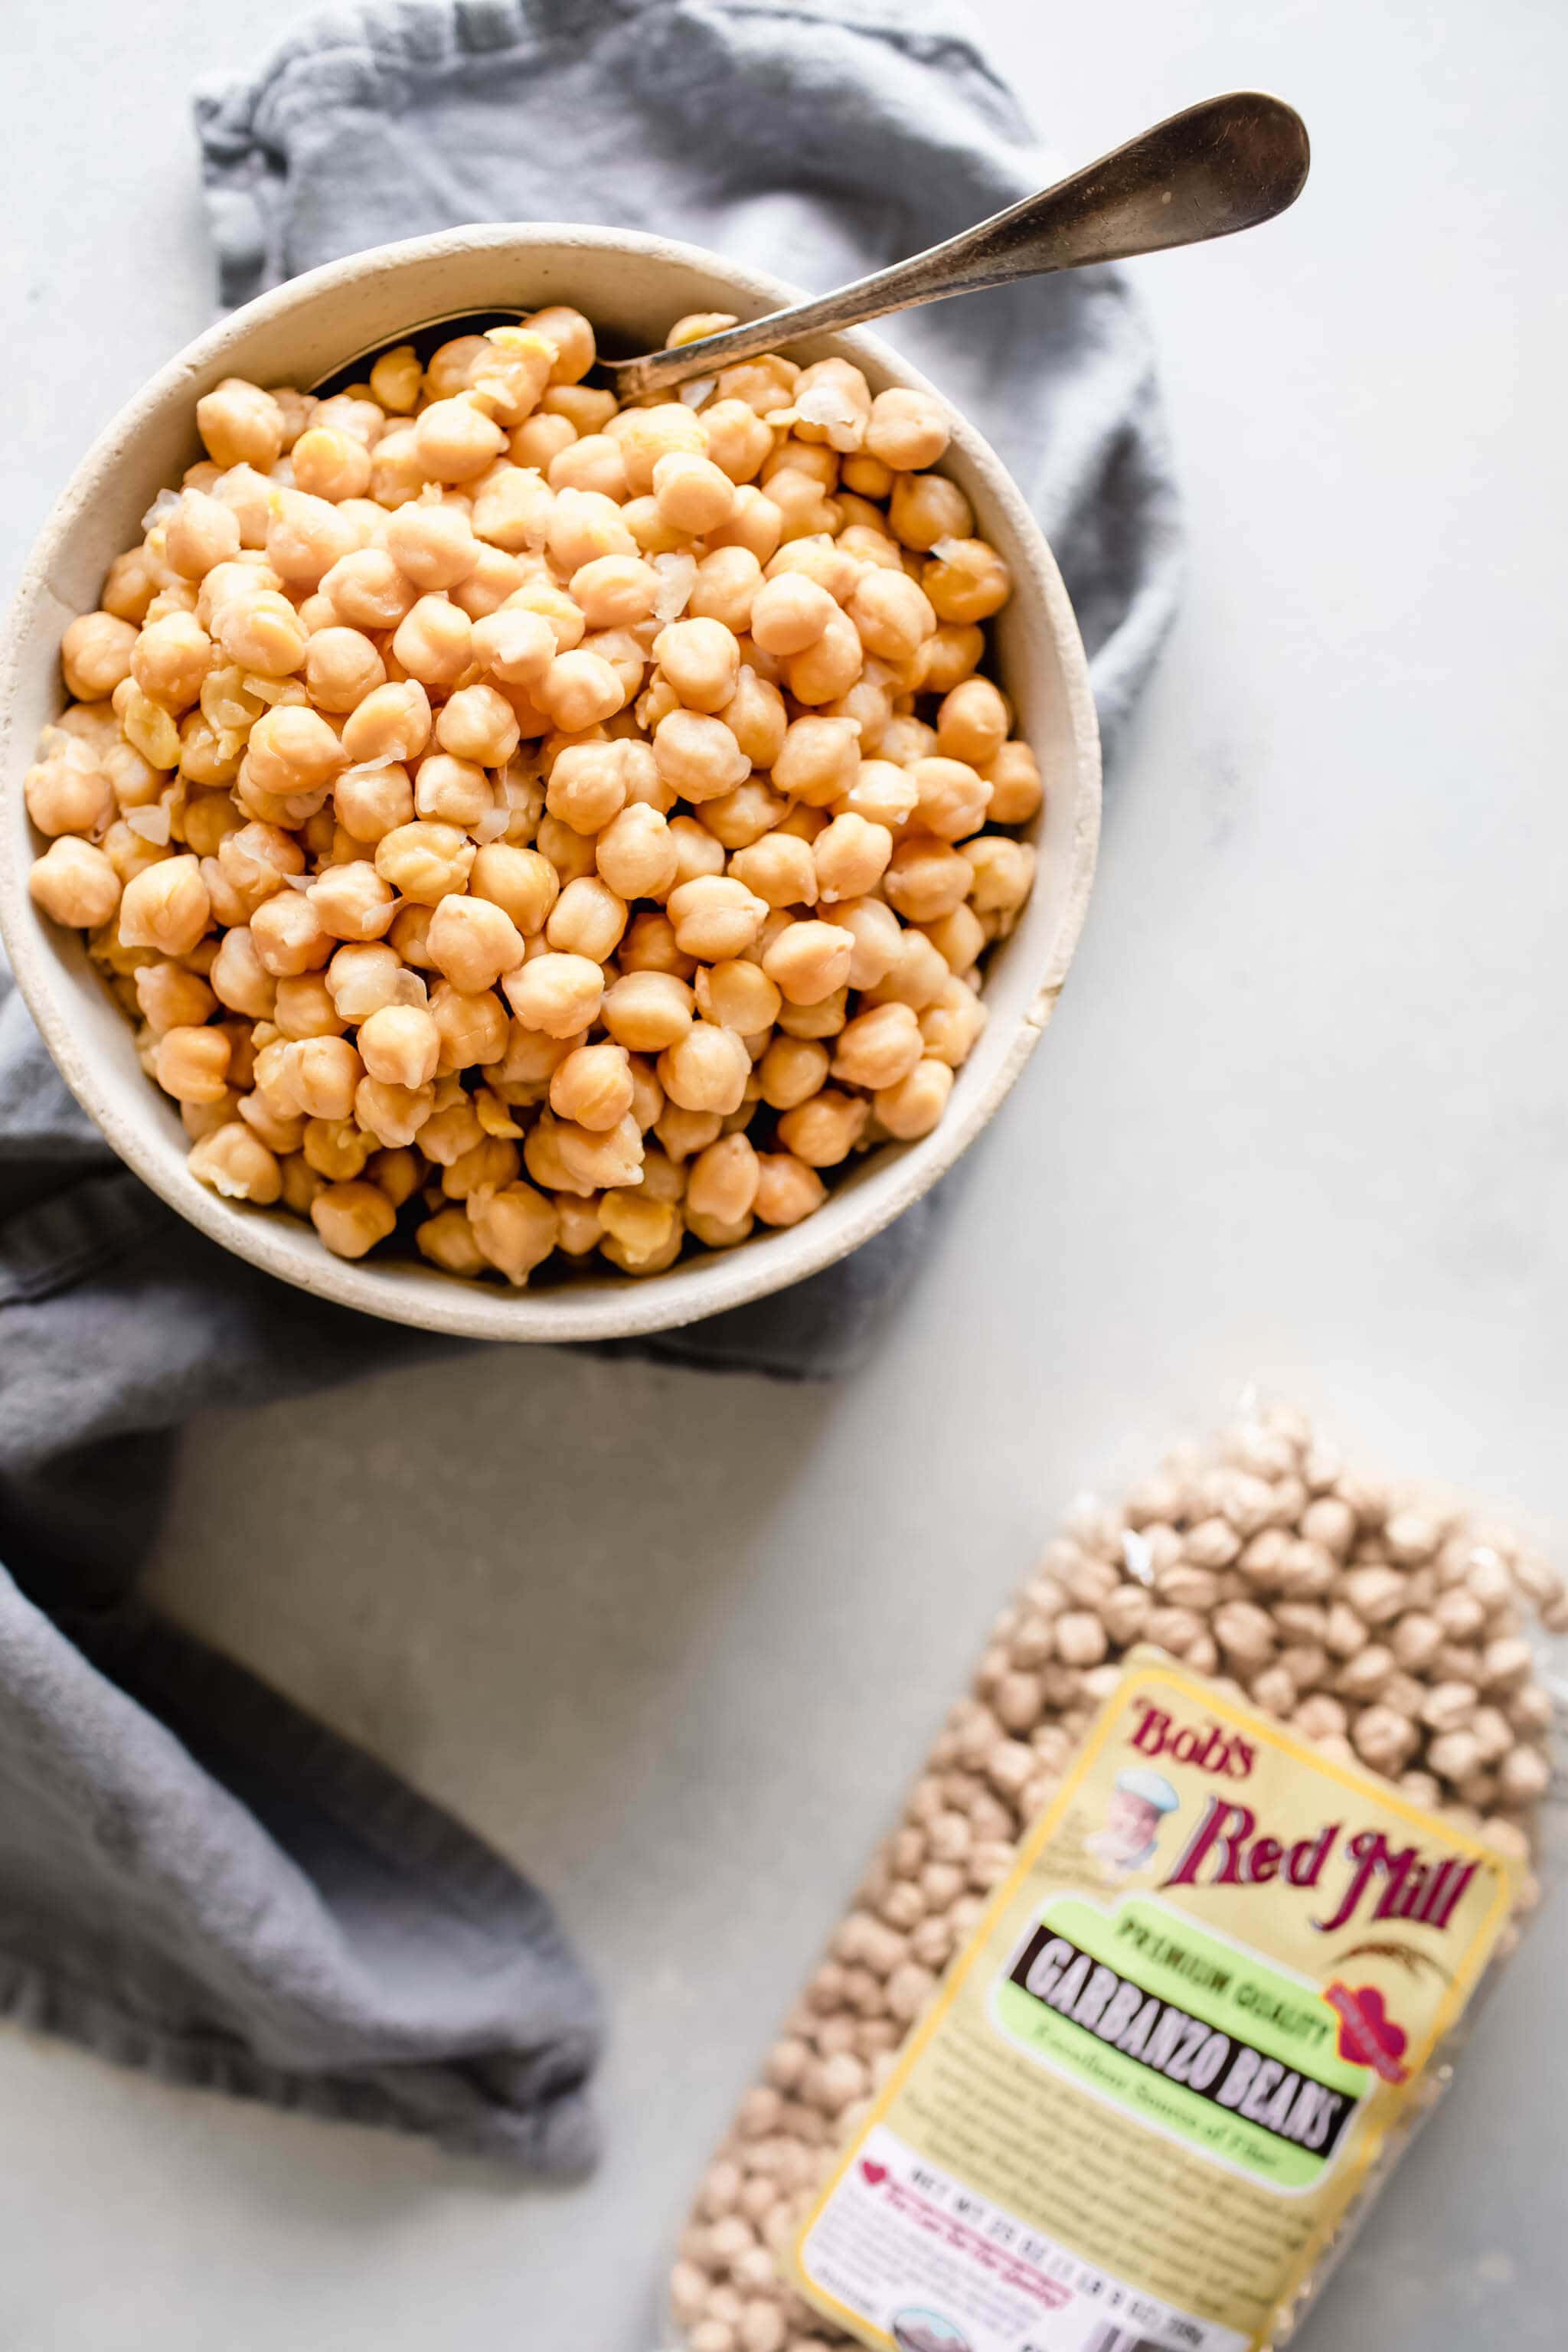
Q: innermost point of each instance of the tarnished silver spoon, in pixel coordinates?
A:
(1223, 165)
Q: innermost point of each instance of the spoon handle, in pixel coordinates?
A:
(1217, 167)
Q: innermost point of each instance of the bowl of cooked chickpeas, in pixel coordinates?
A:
(520, 864)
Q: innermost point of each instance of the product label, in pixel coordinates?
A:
(1150, 2083)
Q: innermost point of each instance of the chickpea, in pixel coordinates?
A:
(698, 756)
(692, 493)
(787, 1190)
(580, 690)
(697, 851)
(240, 425)
(558, 994)
(192, 1064)
(636, 855)
(722, 1185)
(454, 439)
(494, 578)
(906, 430)
(593, 1086)
(515, 1229)
(515, 645)
(878, 1049)
(756, 717)
(737, 994)
(647, 1011)
(96, 652)
(779, 870)
(809, 962)
(925, 508)
(397, 380)
(307, 537)
(75, 883)
(827, 669)
(512, 510)
(725, 588)
(951, 799)
(851, 855)
(434, 644)
(288, 934)
(972, 724)
(400, 1045)
(165, 907)
(589, 1161)
(374, 800)
(473, 941)
(130, 586)
(593, 462)
(392, 1114)
(911, 1107)
(1003, 872)
(715, 916)
(791, 1071)
(425, 861)
(170, 659)
(447, 1240)
(236, 1163)
(351, 1218)
(925, 879)
(707, 1069)
(790, 613)
(916, 975)
(818, 760)
(521, 881)
(959, 937)
(570, 338)
(616, 590)
(824, 1130)
(473, 1026)
(303, 1006)
(1016, 791)
(352, 902)
(331, 464)
(965, 580)
(647, 435)
(735, 437)
(701, 660)
(570, 853)
(171, 997)
(432, 543)
(757, 524)
(341, 666)
(321, 1074)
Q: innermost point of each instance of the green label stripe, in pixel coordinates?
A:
(1309, 2092)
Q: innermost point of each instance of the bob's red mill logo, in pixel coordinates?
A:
(1357, 1866)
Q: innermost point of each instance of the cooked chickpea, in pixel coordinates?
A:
(392, 725)
(701, 659)
(972, 723)
(352, 1217)
(916, 975)
(913, 1106)
(787, 1190)
(473, 1026)
(579, 689)
(636, 855)
(735, 437)
(647, 1011)
(737, 994)
(715, 916)
(593, 1086)
(425, 861)
(75, 883)
(353, 901)
(371, 800)
(1003, 872)
(779, 870)
(926, 880)
(522, 881)
(965, 580)
(828, 669)
(756, 716)
(236, 1163)
(818, 760)
(321, 1074)
(434, 644)
(454, 439)
(172, 997)
(192, 1064)
(951, 798)
(850, 857)
(1016, 791)
(473, 941)
(809, 962)
(698, 756)
(288, 934)
(790, 613)
(692, 494)
(302, 1007)
(925, 508)
(876, 1049)
(706, 1069)
(241, 425)
(559, 993)
(432, 543)
(616, 590)
(165, 907)
(341, 666)
(96, 654)
(400, 1044)
(824, 1130)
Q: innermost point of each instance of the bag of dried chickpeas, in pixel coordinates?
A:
(1165, 1959)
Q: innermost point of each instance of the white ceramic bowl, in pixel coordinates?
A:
(633, 285)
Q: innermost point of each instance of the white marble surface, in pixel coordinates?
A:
(1301, 1119)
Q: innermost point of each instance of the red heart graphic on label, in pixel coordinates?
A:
(875, 2173)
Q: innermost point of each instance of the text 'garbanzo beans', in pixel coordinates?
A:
(539, 827)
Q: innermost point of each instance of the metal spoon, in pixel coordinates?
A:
(1221, 166)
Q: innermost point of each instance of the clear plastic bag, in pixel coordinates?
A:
(1387, 1626)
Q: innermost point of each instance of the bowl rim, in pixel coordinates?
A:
(421, 1297)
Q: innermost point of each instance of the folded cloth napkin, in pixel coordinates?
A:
(193, 1877)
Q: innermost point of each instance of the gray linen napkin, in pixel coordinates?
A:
(193, 1877)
